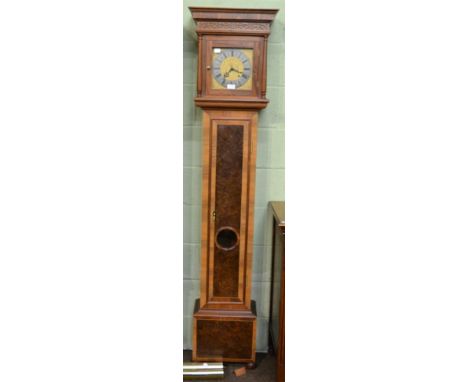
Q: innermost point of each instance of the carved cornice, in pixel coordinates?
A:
(233, 21)
(233, 27)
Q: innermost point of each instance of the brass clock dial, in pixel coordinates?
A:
(232, 69)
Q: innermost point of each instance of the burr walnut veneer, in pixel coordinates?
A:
(231, 89)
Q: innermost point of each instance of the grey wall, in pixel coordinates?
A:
(270, 167)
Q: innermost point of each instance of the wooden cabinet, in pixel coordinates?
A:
(277, 303)
(231, 89)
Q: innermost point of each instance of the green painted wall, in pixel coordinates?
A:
(270, 166)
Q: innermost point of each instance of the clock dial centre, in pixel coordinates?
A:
(232, 68)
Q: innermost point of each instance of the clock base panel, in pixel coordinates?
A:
(224, 336)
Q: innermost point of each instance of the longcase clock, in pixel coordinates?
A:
(231, 89)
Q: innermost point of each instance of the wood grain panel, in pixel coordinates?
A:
(228, 207)
(225, 339)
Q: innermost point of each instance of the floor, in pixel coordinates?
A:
(265, 371)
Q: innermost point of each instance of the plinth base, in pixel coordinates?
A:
(224, 335)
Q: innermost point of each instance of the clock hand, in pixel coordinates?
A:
(232, 70)
(228, 72)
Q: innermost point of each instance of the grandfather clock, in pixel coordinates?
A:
(231, 89)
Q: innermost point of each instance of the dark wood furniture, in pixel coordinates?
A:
(277, 303)
(231, 89)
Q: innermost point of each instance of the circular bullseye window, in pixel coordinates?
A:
(227, 238)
